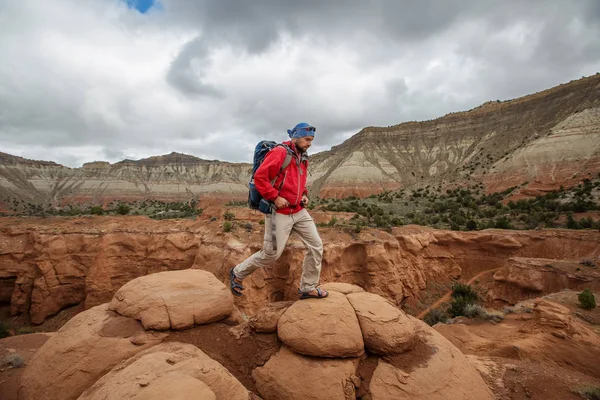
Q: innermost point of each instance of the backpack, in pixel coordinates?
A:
(255, 200)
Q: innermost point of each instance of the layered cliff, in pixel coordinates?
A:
(173, 177)
(537, 142)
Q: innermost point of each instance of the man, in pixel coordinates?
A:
(289, 197)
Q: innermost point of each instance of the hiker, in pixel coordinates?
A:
(281, 181)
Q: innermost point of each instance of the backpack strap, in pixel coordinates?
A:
(286, 162)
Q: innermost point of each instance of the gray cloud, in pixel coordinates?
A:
(87, 80)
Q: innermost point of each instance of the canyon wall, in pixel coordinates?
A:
(49, 264)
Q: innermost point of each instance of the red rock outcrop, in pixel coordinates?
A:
(526, 278)
(82, 351)
(102, 355)
(54, 263)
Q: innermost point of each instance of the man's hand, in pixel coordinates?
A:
(304, 200)
(280, 203)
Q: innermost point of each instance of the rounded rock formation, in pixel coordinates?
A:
(386, 329)
(322, 327)
(288, 375)
(174, 299)
(86, 347)
(437, 371)
(176, 370)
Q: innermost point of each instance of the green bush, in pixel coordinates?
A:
(228, 216)
(435, 316)
(463, 290)
(457, 307)
(123, 209)
(587, 299)
(227, 226)
(463, 295)
(24, 330)
(588, 392)
(96, 210)
(4, 330)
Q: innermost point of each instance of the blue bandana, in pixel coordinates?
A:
(301, 130)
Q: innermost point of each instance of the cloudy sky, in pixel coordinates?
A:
(85, 80)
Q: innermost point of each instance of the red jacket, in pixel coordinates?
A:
(290, 184)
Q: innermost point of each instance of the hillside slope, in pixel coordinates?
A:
(538, 142)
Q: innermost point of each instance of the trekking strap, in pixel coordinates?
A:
(274, 228)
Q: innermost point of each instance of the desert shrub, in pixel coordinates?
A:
(588, 392)
(261, 222)
(587, 299)
(227, 226)
(4, 330)
(96, 210)
(24, 330)
(14, 360)
(463, 290)
(587, 263)
(474, 311)
(495, 316)
(462, 296)
(471, 225)
(228, 216)
(502, 223)
(435, 316)
(457, 307)
(123, 209)
(248, 227)
(454, 226)
(332, 221)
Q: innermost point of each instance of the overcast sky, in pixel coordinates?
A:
(85, 80)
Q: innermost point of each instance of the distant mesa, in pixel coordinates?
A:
(96, 165)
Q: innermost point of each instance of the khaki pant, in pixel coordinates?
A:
(304, 227)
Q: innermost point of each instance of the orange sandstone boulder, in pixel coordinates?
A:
(322, 327)
(288, 375)
(386, 329)
(174, 299)
(81, 352)
(436, 370)
(340, 287)
(173, 370)
(267, 317)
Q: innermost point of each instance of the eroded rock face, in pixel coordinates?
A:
(174, 299)
(288, 375)
(88, 259)
(343, 288)
(322, 327)
(83, 350)
(267, 317)
(174, 370)
(386, 329)
(439, 372)
(527, 278)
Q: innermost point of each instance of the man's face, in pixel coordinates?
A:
(303, 143)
